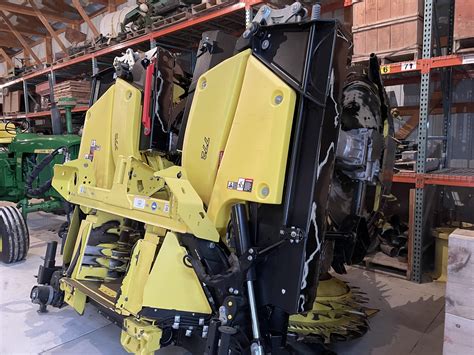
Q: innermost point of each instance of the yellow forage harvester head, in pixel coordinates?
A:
(337, 314)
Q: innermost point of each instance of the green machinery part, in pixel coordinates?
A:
(337, 314)
(21, 154)
(68, 103)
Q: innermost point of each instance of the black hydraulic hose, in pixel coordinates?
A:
(40, 190)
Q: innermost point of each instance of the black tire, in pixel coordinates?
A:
(14, 235)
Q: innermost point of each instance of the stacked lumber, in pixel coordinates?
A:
(80, 90)
(459, 321)
(392, 29)
(463, 25)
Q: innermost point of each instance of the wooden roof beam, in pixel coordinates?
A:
(27, 10)
(20, 38)
(46, 24)
(24, 31)
(7, 58)
(85, 17)
(111, 6)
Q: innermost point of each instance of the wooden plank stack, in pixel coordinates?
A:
(76, 89)
(463, 25)
(459, 321)
(392, 29)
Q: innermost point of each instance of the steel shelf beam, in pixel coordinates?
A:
(456, 179)
(424, 65)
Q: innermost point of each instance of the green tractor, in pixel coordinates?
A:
(26, 169)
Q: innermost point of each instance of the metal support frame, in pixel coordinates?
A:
(417, 242)
(95, 66)
(55, 114)
(446, 89)
(25, 96)
(447, 92)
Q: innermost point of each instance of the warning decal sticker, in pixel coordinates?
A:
(243, 184)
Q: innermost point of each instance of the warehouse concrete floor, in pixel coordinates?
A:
(410, 320)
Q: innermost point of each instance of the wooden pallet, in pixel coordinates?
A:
(388, 57)
(464, 45)
(380, 261)
(76, 89)
(463, 26)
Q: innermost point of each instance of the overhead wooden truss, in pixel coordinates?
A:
(32, 22)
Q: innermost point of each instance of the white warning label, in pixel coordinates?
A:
(139, 202)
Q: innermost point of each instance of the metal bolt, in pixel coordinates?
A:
(203, 84)
(293, 234)
(230, 303)
(249, 258)
(236, 292)
(250, 251)
(278, 99)
(265, 191)
(265, 44)
(283, 291)
(282, 232)
(231, 289)
(229, 316)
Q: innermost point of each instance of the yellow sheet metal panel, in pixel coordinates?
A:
(6, 137)
(73, 297)
(254, 161)
(209, 122)
(140, 337)
(187, 205)
(111, 130)
(131, 291)
(171, 284)
(95, 141)
(126, 124)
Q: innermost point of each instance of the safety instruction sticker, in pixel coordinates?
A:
(166, 207)
(139, 202)
(43, 151)
(242, 184)
(468, 59)
(407, 66)
(93, 147)
(154, 206)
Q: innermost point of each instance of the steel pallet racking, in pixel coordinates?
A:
(399, 73)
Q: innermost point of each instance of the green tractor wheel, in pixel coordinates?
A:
(14, 237)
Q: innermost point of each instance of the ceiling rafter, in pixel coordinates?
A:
(27, 10)
(7, 58)
(25, 13)
(20, 38)
(24, 31)
(85, 17)
(46, 24)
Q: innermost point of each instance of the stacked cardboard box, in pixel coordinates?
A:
(13, 102)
